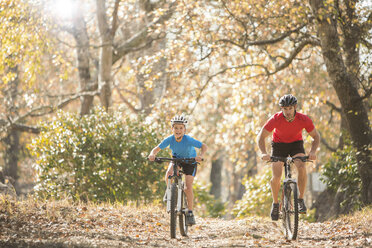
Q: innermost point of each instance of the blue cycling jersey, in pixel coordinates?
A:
(183, 149)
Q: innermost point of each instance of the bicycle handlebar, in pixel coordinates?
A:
(285, 159)
(184, 160)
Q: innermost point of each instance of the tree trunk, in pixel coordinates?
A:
(216, 177)
(148, 97)
(344, 83)
(11, 141)
(105, 60)
(80, 34)
(11, 155)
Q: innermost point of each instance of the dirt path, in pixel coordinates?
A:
(55, 224)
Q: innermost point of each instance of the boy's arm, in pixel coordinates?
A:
(153, 153)
(203, 149)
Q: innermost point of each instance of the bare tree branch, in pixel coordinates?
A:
(141, 37)
(222, 72)
(333, 106)
(325, 143)
(126, 101)
(17, 124)
(114, 25)
(295, 52)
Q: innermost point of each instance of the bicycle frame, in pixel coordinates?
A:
(289, 193)
(176, 197)
(177, 177)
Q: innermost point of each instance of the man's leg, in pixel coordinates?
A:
(277, 168)
(302, 176)
(301, 181)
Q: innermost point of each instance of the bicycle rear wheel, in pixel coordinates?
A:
(290, 211)
(182, 217)
(173, 214)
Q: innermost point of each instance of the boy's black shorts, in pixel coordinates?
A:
(285, 149)
(189, 169)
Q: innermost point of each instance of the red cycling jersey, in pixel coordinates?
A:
(288, 132)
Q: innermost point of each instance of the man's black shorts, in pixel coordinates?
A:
(285, 149)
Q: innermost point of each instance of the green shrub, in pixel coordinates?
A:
(257, 197)
(341, 175)
(205, 203)
(97, 157)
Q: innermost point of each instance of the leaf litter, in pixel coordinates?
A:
(29, 223)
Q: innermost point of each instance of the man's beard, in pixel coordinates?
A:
(290, 119)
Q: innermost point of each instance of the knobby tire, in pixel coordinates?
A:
(182, 216)
(173, 214)
(290, 211)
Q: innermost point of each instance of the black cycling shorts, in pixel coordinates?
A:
(285, 149)
(189, 169)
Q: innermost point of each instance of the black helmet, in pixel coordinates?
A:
(287, 100)
(179, 119)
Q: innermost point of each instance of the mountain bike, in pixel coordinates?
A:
(176, 197)
(289, 200)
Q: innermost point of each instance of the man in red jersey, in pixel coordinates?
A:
(287, 140)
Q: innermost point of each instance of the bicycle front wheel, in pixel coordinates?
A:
(290, 211)
(182, 217)
(173, 214)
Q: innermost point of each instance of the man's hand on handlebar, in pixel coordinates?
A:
(312, 156)
(265, 157)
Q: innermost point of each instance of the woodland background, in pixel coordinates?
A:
(68, 68)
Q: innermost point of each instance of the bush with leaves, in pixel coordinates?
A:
(97, 157)
(257, 197)
(205, 203)
(341, 176)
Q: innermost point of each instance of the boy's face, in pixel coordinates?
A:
(289, 111)
(178, 130)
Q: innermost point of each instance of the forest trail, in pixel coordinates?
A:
(60, 224)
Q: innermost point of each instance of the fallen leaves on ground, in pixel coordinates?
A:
(32, 223)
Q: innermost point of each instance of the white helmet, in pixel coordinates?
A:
(179, 119)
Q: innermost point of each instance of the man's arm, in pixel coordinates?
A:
(261, 143)
(315, 144)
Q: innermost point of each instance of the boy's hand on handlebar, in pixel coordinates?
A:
(151, 157)
(198, 158)
(265, 157)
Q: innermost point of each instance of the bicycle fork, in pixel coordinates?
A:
(180, 194)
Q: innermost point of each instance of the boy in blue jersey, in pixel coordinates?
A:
(182, 146)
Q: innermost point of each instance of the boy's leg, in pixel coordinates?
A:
(169, 172)
(190, 199)
(189, 192)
